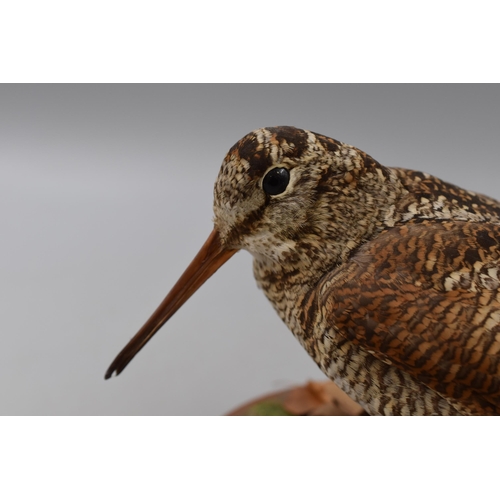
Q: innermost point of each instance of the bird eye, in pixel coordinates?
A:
(276, 181)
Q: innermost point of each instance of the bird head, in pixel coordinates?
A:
(286, 194)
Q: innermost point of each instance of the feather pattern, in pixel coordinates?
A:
(388, 277)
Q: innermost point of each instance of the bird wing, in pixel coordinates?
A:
(426, 298)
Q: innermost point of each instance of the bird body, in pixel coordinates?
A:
(388, 277)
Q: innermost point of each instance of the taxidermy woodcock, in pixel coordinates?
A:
(388, 277)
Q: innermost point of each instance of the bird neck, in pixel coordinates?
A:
(298, 263)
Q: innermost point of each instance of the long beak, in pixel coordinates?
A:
(211, 256)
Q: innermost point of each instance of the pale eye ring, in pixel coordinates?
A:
(276, 181)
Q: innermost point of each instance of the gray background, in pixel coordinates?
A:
(106, 195)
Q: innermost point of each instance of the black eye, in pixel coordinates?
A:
(276, 181)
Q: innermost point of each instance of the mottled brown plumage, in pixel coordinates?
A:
(388, 277)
